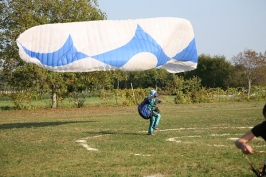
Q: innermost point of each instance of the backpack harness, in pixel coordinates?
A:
(143, 109)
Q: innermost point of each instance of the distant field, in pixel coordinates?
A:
(193, 140)
(7, 104)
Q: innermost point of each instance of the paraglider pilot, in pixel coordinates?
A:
(155, 113)
(148, 110)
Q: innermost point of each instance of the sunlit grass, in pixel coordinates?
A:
(193, 140)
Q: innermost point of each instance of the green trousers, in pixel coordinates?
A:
(154, 121)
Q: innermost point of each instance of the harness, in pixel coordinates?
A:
(143, 109)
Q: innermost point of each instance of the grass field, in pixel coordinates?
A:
(193, 140)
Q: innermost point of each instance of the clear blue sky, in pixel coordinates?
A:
(221, 27)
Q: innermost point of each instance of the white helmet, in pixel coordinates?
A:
(154, 93)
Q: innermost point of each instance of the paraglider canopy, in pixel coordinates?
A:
(129, 45)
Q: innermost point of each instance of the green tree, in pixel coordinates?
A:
(150, 78)
(213, 71)
(237, 77)
(19, 15)
(143, 79)
(118, 77)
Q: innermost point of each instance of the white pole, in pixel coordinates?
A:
(133, 93)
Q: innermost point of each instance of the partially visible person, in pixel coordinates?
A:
(257, 131)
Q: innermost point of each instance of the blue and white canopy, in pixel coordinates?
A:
(129, 45)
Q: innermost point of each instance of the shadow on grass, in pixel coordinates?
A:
(7, 108)
(37, 124)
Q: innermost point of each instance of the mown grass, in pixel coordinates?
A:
(193, 140)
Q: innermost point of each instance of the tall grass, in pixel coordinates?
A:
(193, 140)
